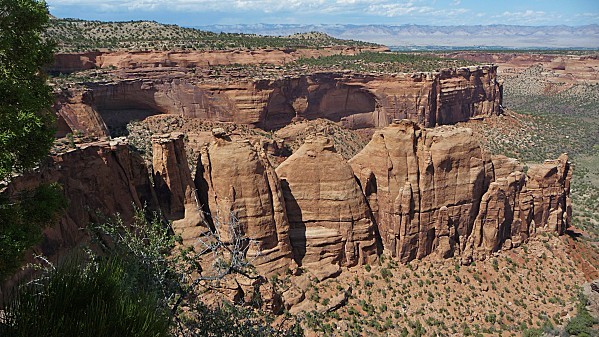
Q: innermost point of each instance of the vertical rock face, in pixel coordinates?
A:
(356, 100)
(102, 177)
(237, 184)
(466, 92)
(174, 186)
(424, 185)
(437, 191)
(330, 221)
(549, 185)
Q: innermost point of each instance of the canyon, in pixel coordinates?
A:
(412, 192)
(357, 101)
(421, 189)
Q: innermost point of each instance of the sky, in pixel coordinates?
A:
(388, 12)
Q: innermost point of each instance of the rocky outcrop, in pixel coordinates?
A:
(330, 222)
(75, 114)
(419, 192)
(98, 179)
(239, 188)
(175, 187)
(70, 62)
(515, 205)
(354, 100)
(235, 193)
(436, 191)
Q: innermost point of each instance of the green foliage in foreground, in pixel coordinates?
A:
(230, 320)
(26, 123)
(85, 299)
(384, 62)
(139, 286)
(581, 325)
(22, 221)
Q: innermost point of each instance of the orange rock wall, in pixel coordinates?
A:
(435, 191)
(421, 192)
(356, 101)
(70, 62)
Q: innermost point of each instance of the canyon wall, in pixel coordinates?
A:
(99, 179)
(413, 192)
(71, 62)
(435, 191)
(354, 100)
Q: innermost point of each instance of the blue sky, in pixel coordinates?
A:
(425, 12)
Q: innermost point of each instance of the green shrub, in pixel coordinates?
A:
(581, 324)
(85, 299)
(22, 221)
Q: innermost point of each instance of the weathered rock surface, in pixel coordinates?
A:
(235, 192)
(437, 191)
(356, 101)
(98, 178)
(330, 222)
(69, 62)
(175, 187)
(237, 185)
(418, 192)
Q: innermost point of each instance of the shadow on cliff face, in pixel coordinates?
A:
(117, 118)
(297, 227)
(164, 195)
(202, 188)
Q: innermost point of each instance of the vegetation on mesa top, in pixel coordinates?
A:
(74, 35)
(365, 62)
(384, 62)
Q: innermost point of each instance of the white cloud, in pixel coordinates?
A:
(330, 11)
(378, 7)
(528, 17)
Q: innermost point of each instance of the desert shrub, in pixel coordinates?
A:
(85, 299)
(581, 324)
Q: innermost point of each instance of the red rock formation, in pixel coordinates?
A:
(436, 190)
(175, 187)
(104, 177)
(69, 62)
(426, 191)
(356, 101)
(76, 114)
(330, 220)
(237, 184)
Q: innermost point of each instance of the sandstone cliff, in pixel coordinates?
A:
(436, 191)
(331, 224)
(102, 177)
(175, 188)
(70, 62)
(418, 192)
(237, 184)
(354, 100)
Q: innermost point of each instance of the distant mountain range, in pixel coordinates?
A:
(509, 36)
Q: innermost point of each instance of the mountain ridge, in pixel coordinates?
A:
(514, 36)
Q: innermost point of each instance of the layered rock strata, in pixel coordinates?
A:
(239, 188)
(70, 62)
(415, 191)
(354, 100)
(99, 179)
(330, 221)
(436, 191)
